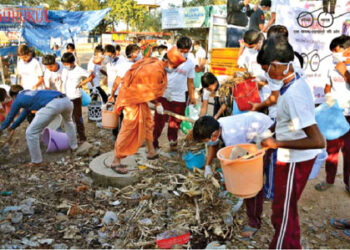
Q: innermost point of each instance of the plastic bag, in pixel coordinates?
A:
(192, 112)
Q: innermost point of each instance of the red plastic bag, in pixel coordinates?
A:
(167, 243)
(245, 92)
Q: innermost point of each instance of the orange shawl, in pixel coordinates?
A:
(144, 82)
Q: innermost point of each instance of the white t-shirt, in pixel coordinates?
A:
(29, 72)
(95, 69)
(112, 70)
(71, 79)
(243, 128)
(177, 82)
(200, 54)
(122, 69)
(249, 59)
(275, 3)
(265, 93)
(53, 80)
(295, 111)
(340, 89)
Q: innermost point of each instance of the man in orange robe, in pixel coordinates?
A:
(144, 82)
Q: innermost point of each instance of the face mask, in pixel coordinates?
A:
(68, 68)
(278, 84)
(139, 57)
(338, 57)
(185, 55)
(169, 70)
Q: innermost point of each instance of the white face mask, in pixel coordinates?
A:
(185, 55)
(338, 57)
(139, 57)
(68, 68)
(278, 84)
(251, 50)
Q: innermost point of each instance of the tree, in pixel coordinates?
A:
(152, 23)
(128, 11)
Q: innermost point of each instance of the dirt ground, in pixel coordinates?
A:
(64, 182)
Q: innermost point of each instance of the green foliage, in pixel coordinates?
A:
(128, 11)
(151, 23)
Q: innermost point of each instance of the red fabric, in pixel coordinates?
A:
(174, 124)
(333, 148)
(7, 108)
(245, 92)
(290, 181)
(254, 206)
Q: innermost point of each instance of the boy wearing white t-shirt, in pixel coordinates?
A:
(233, 130)
(72, 76)
(53, 73)
(180, 80)
(298, 140)
(29, 69)
(113, 60)
(95, 67)
(339, 87)
(132, 51)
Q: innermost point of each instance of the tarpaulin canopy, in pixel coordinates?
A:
(5, 51)
(40, 25)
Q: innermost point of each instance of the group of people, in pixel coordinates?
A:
(284, 121)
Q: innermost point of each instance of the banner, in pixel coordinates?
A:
(311, 28)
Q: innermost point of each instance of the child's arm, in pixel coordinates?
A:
(270, 101)
(116, 83)
(221, 111)
(190, 87)
(103, 72)
(314, 140)
(204, 108)
(40, 82)
(212, 150)
(87, 80)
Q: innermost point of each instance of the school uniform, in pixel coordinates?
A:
(53, 79)
(29, 72)
(96, 70)
(174, 100)
(71, 79)
(295, 111)
(241, 129)
(340, 91)
(48, 104)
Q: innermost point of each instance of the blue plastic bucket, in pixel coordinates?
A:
(86, 99)
(194, 160)
(321, 158)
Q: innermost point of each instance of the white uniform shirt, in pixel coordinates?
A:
(177, 82)
(340, 89)
(71, 79)
(295, 111)
(200, 54)
(275, 3)
(243, 128)
(122, 69)
(112, 70)
(96, 70)
(29, 72)
(53, 80)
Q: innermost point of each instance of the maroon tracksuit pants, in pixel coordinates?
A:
(333, 148)
(290, 181)
(174, 124)
(254, 206)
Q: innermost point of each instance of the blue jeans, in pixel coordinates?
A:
(233, 35)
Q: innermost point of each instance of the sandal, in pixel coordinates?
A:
(153, 157)
(249, 229)
(34, 165)
(342, 235)
(120, 169)
(340, 224)
(323, 186)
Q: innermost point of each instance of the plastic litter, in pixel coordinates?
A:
(110, 218)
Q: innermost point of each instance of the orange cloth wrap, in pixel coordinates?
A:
(144, 82)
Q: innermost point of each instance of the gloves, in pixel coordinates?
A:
(160, 109)
(208, 172)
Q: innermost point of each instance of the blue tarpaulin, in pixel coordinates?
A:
(5, 51)
(53, 23)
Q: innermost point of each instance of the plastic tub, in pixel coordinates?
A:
(109, 117)
(243, 178)
(55, 141)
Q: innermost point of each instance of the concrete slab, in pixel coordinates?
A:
(103, 175)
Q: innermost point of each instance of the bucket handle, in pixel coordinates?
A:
(108, 104)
